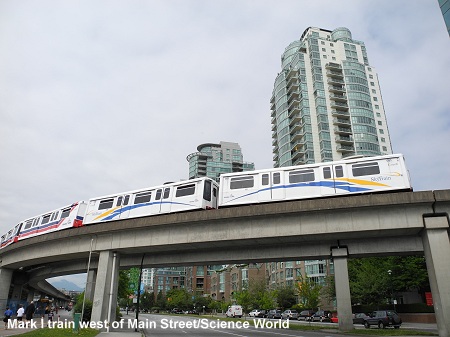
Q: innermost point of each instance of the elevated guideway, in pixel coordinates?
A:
(335, 228)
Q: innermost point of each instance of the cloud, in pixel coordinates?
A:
(98, 97)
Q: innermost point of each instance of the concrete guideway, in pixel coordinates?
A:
(335, 228)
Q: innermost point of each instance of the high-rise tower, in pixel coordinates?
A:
(326, 103)
(212, 160)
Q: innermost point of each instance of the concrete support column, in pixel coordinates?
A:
(5, 283)
(90, 285)
(436, 245)
(343, 299)
(106, 285)
(30, 296)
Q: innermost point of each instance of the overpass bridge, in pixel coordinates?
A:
(337, 228)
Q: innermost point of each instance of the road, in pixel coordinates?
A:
(160, 325)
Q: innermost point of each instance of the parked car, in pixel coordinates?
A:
(289, 314)
(321, 316)
(176, 311)
(192, 312)
(359, 318)
(274, 313)
(257, 313)
(383, 319)
(305, 315)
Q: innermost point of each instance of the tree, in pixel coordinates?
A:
(148, 300)
(178, 298)
(308, 292)
(372, 284)
(244, 299)
(285, 297)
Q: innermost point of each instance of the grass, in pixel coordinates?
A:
(389, 332)
(59, 333)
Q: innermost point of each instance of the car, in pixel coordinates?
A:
(321, 316)
(359, 318)
(257, 313)
(274, 313)
(289, 314)
(192, 312)
(304, 315)
(383, 319)
(176, 311)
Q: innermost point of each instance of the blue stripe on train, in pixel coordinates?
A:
(342, 185)
(129, 208)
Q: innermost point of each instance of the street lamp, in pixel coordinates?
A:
(392, 288)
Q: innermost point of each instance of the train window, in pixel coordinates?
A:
(45, 219)
(125, 201)
(214, 192)
(54, 216)
(119, 201)
(166, 193)
(265, 179)
(65, 213)
(207, 191)
(339, 171)
(35, 222)
(185, 190)
(365, 169)
(105, 204)
(28, 224)
(327, 172)
(241, 182)
(158, 194)
(143, 197)
(301, 176)
(276, 178)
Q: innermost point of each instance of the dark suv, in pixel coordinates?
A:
(382, 319)
(274, 313)
(321, 316)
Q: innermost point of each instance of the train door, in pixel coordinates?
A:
(278, 185)
(123, 201)
(162, 197)
(271, 187)
(327, 185)
(342, 184)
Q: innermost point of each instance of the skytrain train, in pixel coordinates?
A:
(345, 177)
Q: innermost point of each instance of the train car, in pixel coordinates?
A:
(9, 237)
(59, 219)
(199, 193)
(359, 175)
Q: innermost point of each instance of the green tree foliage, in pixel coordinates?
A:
(124, 280)
(161, 302)
(308, 292)
(285, 297)
(244, 299)
(79, 307)
(147, 300)
(372, 284)
(178, 298)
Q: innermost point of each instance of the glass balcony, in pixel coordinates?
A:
(340, 113)
(341, 105)
(336, 88)
(332, 73)
(335, 80)
(332, 65)
(342, 122)
(295, 119)
(345, 148)
(344, 139)
(342, 130)
(337, 97)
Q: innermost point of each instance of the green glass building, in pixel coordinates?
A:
(326, 103)
(211, 160)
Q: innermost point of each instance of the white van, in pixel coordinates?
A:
(234, 311)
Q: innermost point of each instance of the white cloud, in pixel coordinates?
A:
(104, 96)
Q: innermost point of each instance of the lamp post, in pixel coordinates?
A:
(392, 288)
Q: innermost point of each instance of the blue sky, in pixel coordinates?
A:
(98, 97)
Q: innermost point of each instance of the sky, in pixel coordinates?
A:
(98, 97)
